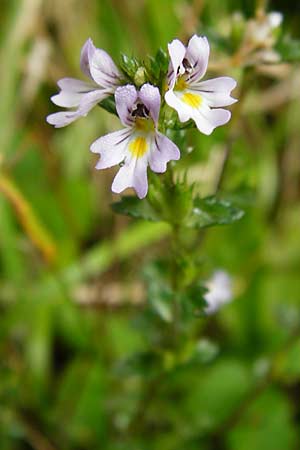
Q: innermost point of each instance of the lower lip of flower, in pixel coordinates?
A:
(138, 147)
(193, 100)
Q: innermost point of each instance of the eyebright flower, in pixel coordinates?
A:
(219, 291)
(192, 98)
(139, 144)
(105, 77)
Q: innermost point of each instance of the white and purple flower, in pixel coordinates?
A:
(191, 97)
(81, 96)
(139, 144)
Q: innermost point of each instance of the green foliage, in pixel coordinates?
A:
(106, 345)
(129, 65)
(271, 413)
(289, 49)
(212, 211)
(198, 213)
(133, 207)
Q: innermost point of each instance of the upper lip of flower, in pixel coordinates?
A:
(104, 77)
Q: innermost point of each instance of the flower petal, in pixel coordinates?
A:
(164, 151)
(216, 91)
(177, 53)
(208, 119)
(67, 99)
(173, 101)
(125, 97)
(62, 118)
(84, 57)
(72, 92)
(150, 97)
(132, 174)
(103, 70)
(112, 148)
(74, 85)
(87, 102)
(91, 99)
(198, 54)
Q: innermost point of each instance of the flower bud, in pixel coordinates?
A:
(140, 76)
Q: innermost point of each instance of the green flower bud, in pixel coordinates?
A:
(140, 76)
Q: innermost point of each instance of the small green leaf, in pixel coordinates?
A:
(129, 65)
(212, 211)
(134, 207)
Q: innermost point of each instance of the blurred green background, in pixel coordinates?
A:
(74, 370)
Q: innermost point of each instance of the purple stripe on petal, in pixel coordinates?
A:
(87, 102)
(103, 70)
(84, 57)
(198, 54)
(61, 119)
(164, 151)
(220, 84)
(126, 97)
(112, 148)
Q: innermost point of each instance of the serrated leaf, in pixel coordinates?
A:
(212, 211)
(134, 207)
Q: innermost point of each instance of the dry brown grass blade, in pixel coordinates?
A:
(28, 219)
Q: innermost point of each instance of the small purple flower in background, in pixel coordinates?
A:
(192, 98)
(219, 291)
(139, 144)
(105, 78)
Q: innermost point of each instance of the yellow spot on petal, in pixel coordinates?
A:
(181, 84)
(144, 124)
(193, 100)
(138, 147)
